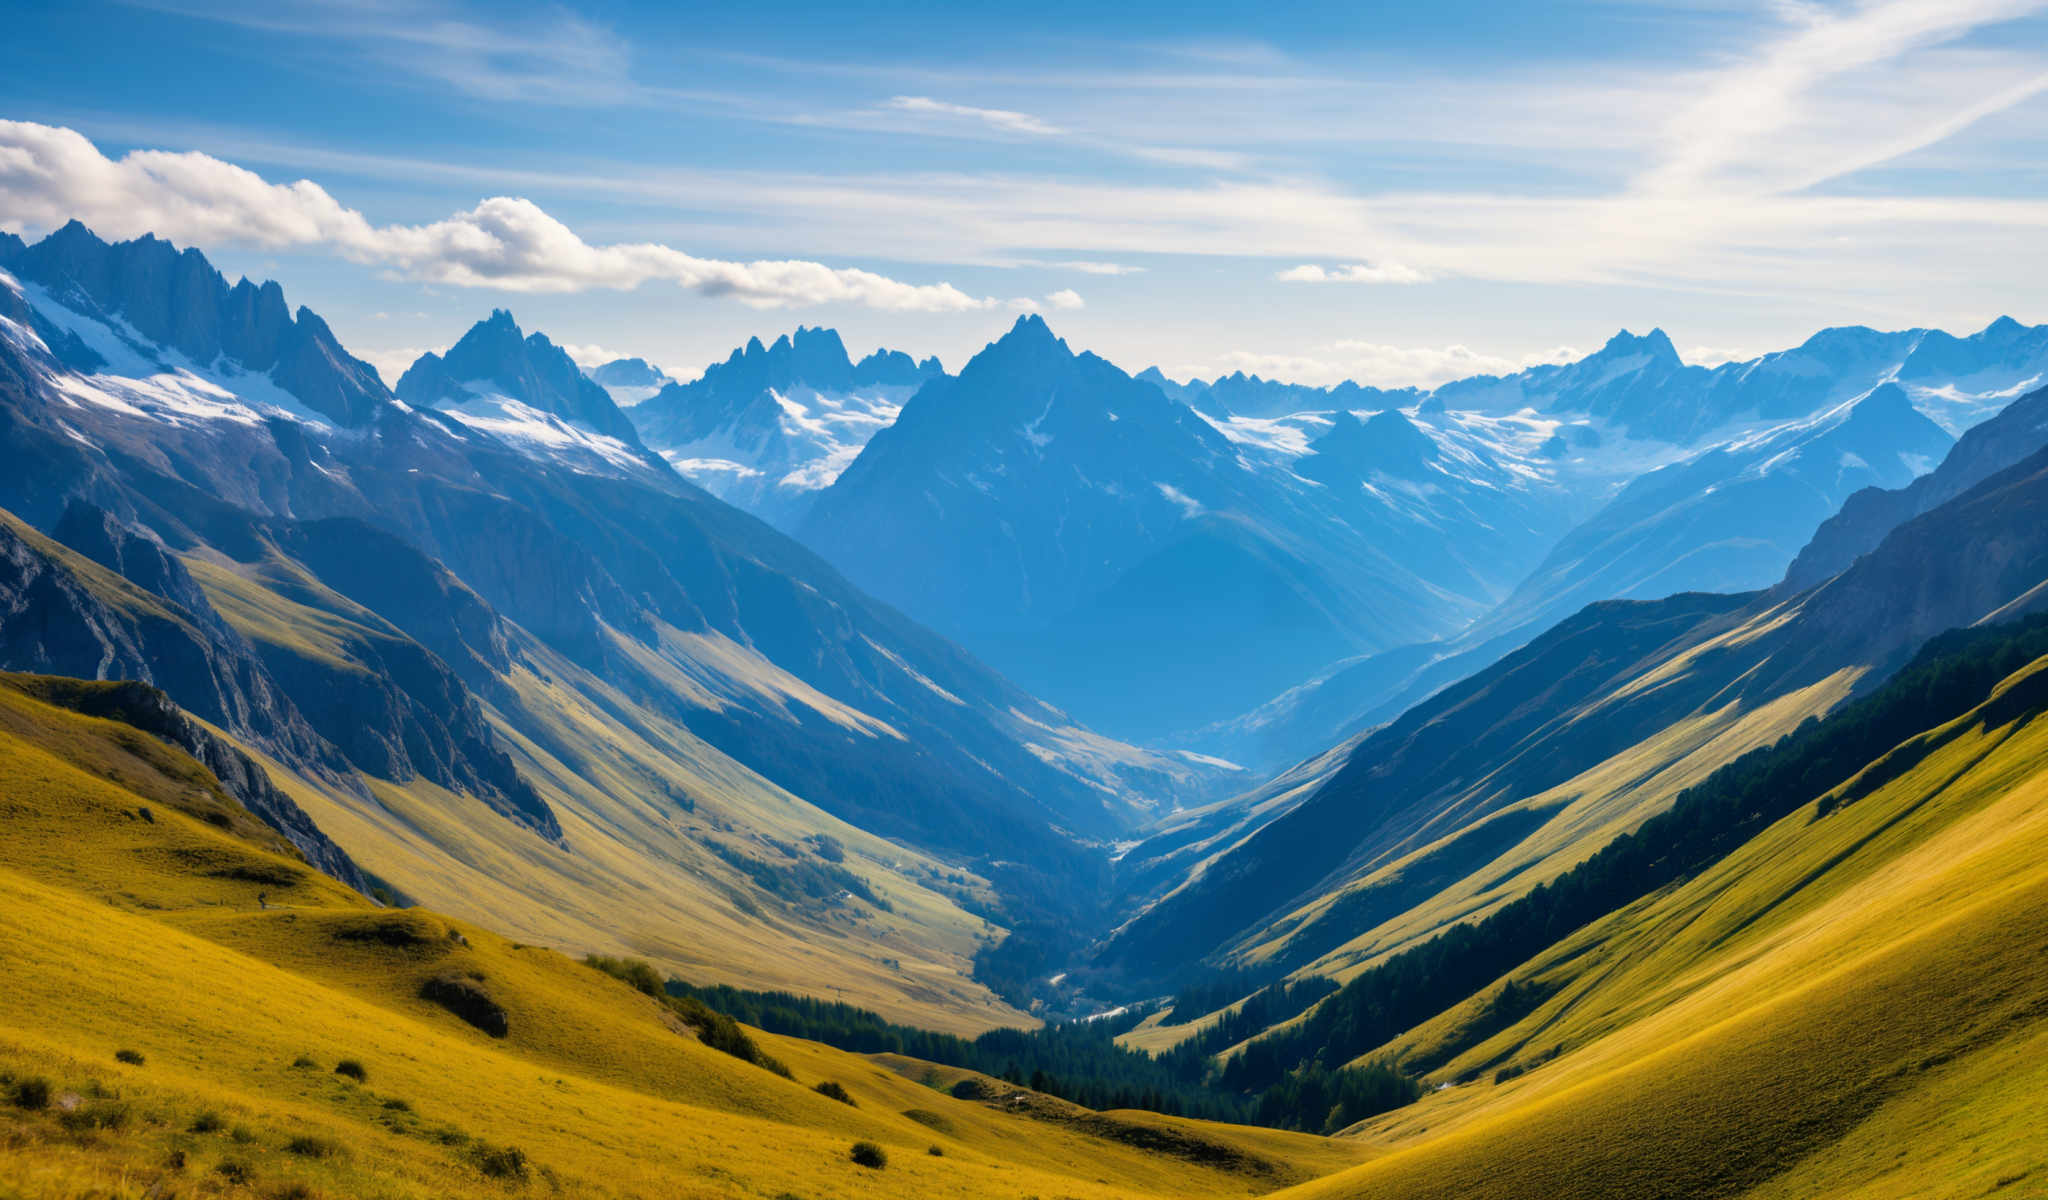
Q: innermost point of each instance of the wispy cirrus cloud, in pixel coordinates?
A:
(1364, 272)
(49, 175)
(1728, 134)
(998, 119)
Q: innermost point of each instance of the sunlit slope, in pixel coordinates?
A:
(671, 850)
(1473, 871)
(1852, 1004)
(241, 980)
(1545, 756)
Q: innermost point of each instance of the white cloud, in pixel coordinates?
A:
(1714, 356)
(1380, 272)
(1066, 299)
(49, 175)
(1190, 156)
(1377, 365)
(998, 119)
(1741, 110)
(1646, 174)
(591, 355)
(1090, 267)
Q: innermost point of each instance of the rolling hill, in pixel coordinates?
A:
(191, 1008)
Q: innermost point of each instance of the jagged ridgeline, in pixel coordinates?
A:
(1645, 791)
(513, 661)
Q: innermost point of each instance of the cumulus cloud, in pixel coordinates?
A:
(1378, 365)
(1365, 272)
(49, 175)
(1065, 299)
(591, 355)
(999, 119)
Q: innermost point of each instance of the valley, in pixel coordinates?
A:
(835, 776)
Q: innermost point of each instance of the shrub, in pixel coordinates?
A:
(353, 1069)
(500, 1162)
(241, 1135)
(235, 1172)
(634, 973)
(132, 1057)
(936, 1151)
(303, 1063)
(308, 1145)
(831, 1090)
(468, 999)
(397, 1105)
(390, 929)
(868, 1154)
(208, 1122)
(291, 1191)
(32, 1093)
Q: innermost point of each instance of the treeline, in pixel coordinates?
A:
(1075, 1060)
(1078, 1061)
(1211, 992)
(1262, 1010)
(1951, 675)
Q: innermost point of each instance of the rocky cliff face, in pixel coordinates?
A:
(496, 358)
(178, 302)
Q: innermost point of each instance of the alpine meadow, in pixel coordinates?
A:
(1388, 601)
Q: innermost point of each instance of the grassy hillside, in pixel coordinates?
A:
(671, 850)
(186, 1003)
(1854, 1003)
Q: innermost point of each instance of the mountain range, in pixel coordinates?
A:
(773, 425)
(1617, 777)
(1107, 539)
(490, 592)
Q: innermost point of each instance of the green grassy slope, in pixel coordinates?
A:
(238, 981)
(1787, 1022)
(671, 849)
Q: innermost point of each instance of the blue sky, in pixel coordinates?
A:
(1390, 192)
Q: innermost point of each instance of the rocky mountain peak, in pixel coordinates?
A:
(176, 301)
(1656, 344)
(527, 368)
